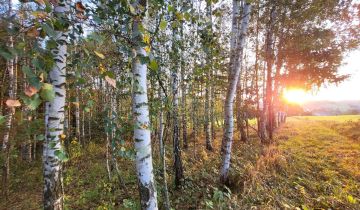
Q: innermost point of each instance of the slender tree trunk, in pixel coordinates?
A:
(263, 116)
(208, 51)
(256, 67)
(236, 46)
(269, 79)
(9, 117)
(178, 167)
(54, 120)
(142, 136)
(183, 89)
(77, 115)
(162, 151)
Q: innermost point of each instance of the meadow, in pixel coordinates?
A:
(314, 163)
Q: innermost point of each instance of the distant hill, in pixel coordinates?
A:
(323, 108)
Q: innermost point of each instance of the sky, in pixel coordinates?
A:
(347, 90)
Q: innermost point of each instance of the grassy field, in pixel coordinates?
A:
(314, 164)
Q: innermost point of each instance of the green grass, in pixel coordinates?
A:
(314, 164)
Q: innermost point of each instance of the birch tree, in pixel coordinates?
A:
(142, 137)
(53, 152)
(10, 112)
(208, 51)
(237, 41)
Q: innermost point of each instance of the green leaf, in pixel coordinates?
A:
(187, 16)
(47, 92)
(61, 155)
(2, 119)
(32, 102)
(31, 77)
(6, 55)
(163, 25)
(40, 137)
(153, 65)
(171, 8)
(48, 29)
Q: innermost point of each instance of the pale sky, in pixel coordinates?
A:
(347, 90)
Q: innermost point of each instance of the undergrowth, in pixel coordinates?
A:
(313, 164)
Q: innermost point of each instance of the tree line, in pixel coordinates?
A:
(135, 74)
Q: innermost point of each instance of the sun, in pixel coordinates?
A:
(295, 95)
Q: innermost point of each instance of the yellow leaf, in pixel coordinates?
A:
(62, 136)
(111, 81)
(147, 49)
(100, 55)
(41, 2)
(76, 104)
(13, 103)
(41, 77)
(40, 14)
(146, 39)
(101, 68)
(132, 9)
(144, 126)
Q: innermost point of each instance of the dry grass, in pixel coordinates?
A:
(314, 164)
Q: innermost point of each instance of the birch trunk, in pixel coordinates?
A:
(144, 165)
(183, 89)
(208, 79)
(178, 167)
(162, 149)
(77, 115)
(236, 45)
(54, 120)
(9, 116)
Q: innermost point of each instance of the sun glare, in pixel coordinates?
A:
(297, 96)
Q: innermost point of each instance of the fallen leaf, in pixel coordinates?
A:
(100, 55)
(30, 91)
(13, 103)
(111, 81)
(101, 68)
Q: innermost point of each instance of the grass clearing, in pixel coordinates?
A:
(314, 164)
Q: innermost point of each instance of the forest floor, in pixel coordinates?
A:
(313, 164)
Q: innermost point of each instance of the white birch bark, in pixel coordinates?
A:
(208, 46)
(142, 137)
(10, 114)
(54, 120)
(236, 46)
(162, 149)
